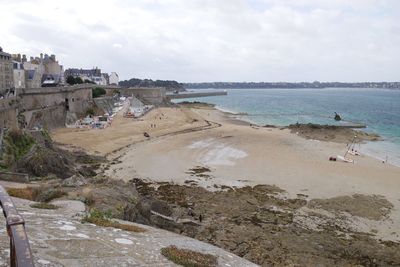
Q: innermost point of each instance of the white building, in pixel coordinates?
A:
(101, 80)
(114, 79)
(19, 75)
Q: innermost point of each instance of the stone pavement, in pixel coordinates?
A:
(58, 238)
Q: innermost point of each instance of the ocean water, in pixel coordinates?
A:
(379, 109)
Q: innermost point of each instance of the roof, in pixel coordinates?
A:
(5, 54)
(87, 72)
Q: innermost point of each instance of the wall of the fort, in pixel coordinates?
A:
(153, 96)
(53, 107)
(105, 103)
(48, 118)
(50, 107)
(8, 112)
(75, 99)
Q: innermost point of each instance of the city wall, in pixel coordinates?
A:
(152, 96)
(9, 112)
(53, 107)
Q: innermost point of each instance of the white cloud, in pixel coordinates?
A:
(207, 40)
(117, 45)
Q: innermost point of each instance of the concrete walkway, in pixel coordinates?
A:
(58, 238)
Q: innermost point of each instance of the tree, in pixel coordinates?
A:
(89, 81)
(98, 91)
(78, 80)
(71, 80)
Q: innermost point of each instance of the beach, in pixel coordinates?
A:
(235, 153)
(197, 146)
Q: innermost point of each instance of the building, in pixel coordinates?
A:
(19, 75)
(6, 75)
(53, 71)
(106, 77)
(34, 72)
(93, 75)
(40, 71)
(114, 79)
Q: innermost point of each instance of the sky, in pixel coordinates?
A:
(212, 40)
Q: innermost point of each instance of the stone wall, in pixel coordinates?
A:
(152, 96)
(74, 99)
(8, 112)
(50, 107)
(106, 104)
(48, 118)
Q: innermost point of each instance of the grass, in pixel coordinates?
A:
(25, 193)
(104, 219)
(17, 144)
(41, 194)
(189, 258)
(45, 206)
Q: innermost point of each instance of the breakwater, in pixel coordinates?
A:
(195, 94)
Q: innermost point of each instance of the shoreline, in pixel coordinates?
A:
(274, 179)
(378, 155)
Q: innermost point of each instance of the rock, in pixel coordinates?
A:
(74, 181)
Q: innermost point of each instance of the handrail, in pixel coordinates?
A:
(20, 251)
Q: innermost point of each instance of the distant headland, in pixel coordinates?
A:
(289, 85)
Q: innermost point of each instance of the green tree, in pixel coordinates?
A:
(71, 80)
(98, 91)
(88, 81)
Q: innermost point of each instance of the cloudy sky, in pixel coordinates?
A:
(212, 40)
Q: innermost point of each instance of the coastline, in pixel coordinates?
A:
(373, 149)
(196, 162)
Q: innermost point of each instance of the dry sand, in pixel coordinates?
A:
(125, 131)
(238, 154)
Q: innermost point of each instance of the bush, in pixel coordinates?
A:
(189, 258)
(25, 193)
(45, 206)
(48, 194)
(17, 144)
(40, 194)
(71, 80)
(90, 112)
(98, 91)
(104, 219)
(88, 81)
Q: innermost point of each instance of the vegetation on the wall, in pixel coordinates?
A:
(98, 91)
(189, 258)
(71, 80)
(16, 144)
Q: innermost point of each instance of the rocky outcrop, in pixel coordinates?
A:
(59, 238)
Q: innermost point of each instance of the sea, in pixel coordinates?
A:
(378, 109)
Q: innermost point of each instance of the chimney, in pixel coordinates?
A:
(24, 58)
(41, 55)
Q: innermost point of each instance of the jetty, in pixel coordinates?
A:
(189, 94)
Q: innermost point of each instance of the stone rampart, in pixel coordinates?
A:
(8, 112)
(152, 96)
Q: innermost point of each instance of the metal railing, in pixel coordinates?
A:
(20, 251)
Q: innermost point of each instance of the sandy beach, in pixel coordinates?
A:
(207, 147)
